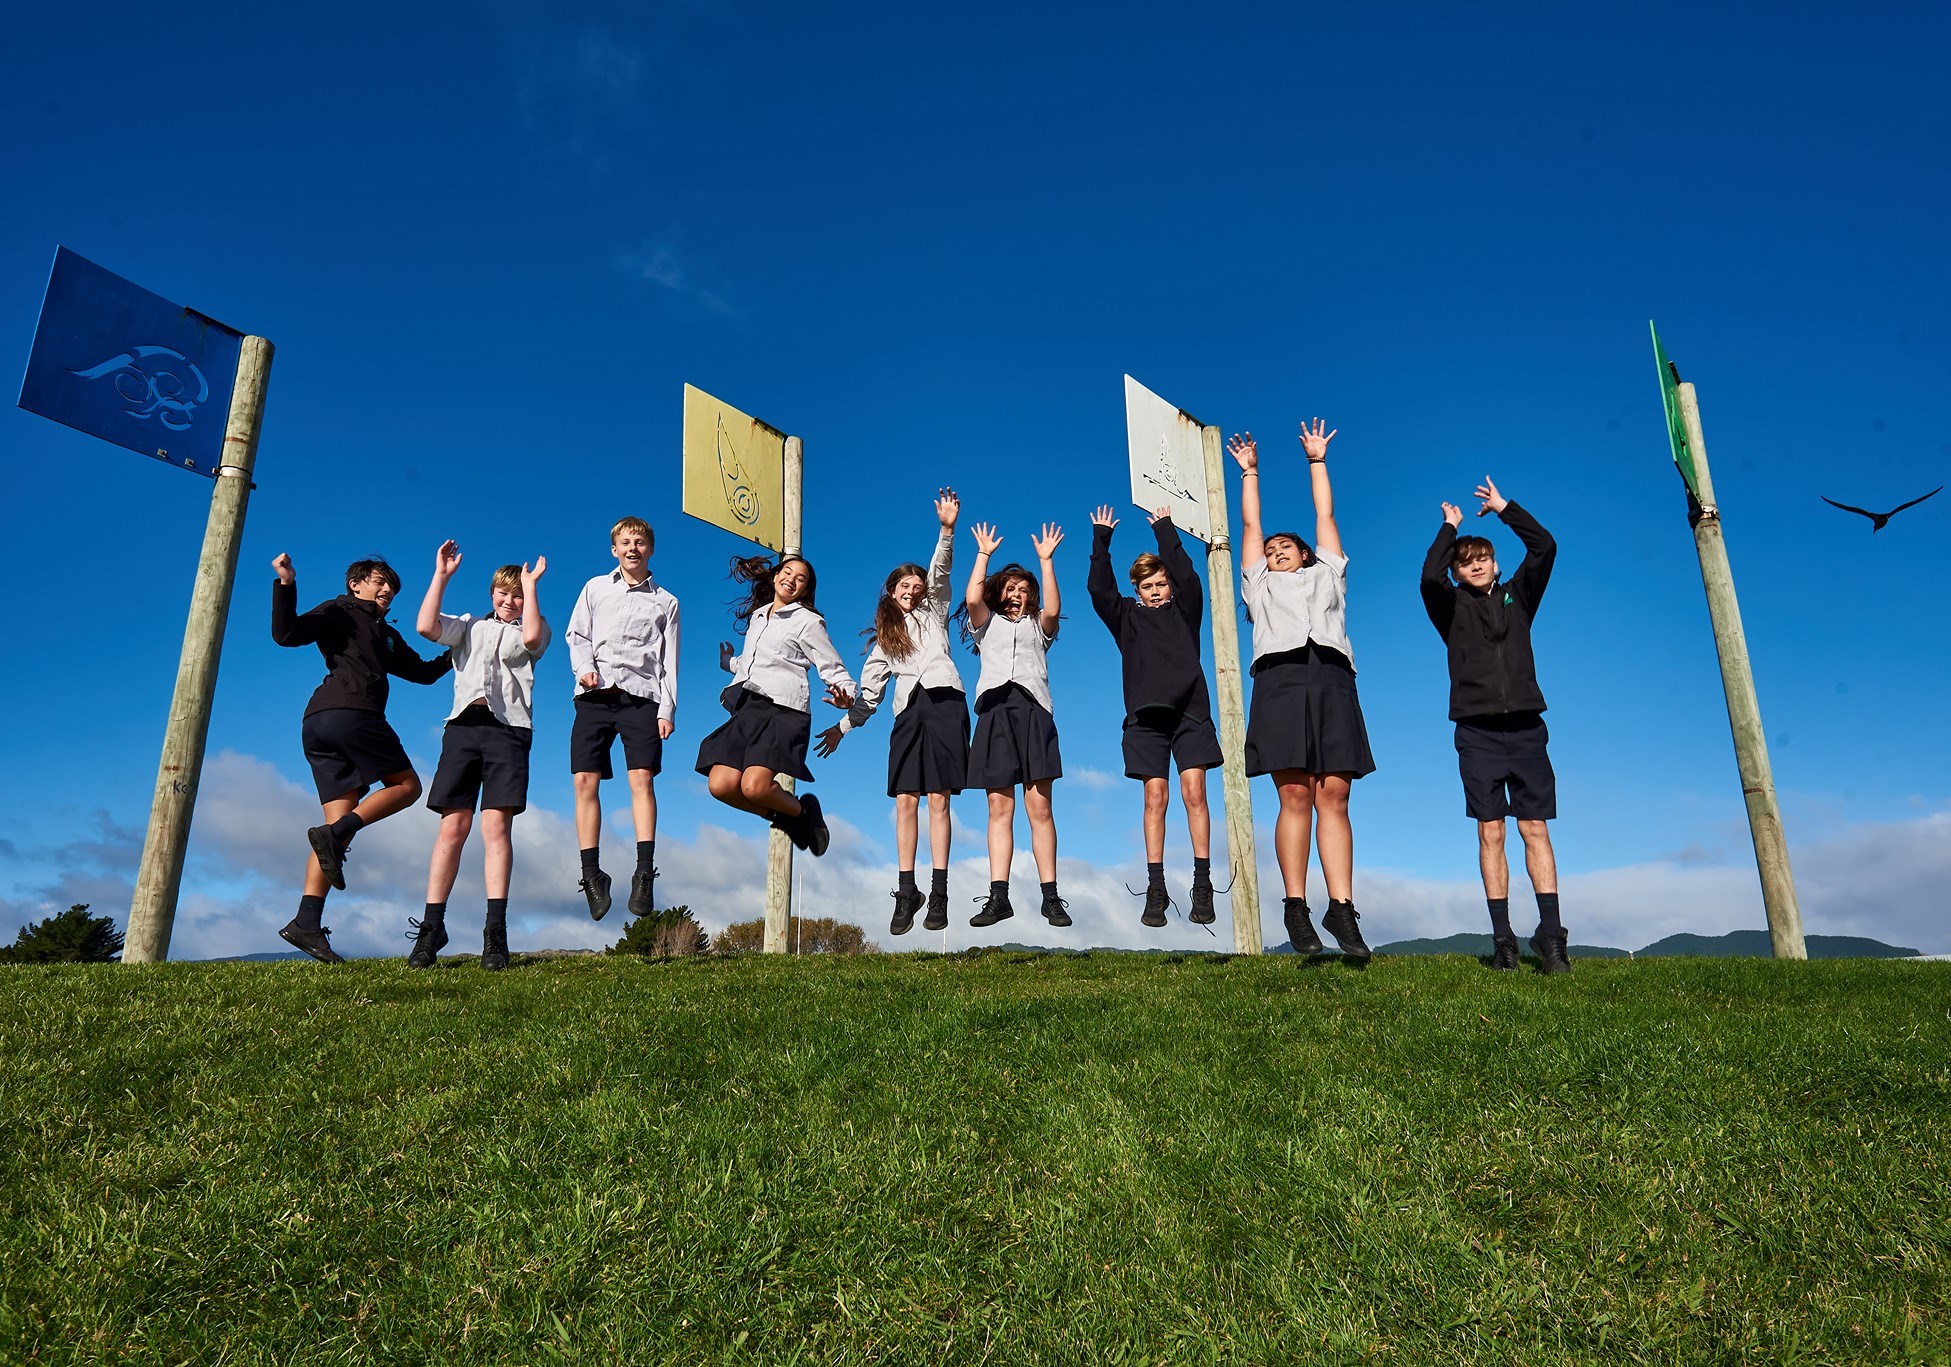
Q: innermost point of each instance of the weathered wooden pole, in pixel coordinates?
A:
(1223, 609)
(1743, 708)
(779, 850)
(159, 878)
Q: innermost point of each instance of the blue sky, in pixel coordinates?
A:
(492, 242)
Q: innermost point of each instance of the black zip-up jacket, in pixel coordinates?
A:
(1489, 631)
(1160, 645)
(360, 648)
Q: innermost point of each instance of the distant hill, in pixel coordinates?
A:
(1482, 947)
(1754, 944)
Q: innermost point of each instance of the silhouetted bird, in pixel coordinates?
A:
(1878, 520)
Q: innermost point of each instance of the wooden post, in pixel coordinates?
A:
(159, 878)
(1223, 610)
(1743, 709)
(779, 850)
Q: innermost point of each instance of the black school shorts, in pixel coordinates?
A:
(1154, 740)
(350, 750)
(483, 760)
(600, 719)
(1506, 771)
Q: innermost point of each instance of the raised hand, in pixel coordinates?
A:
(840, 697)
(1494, 502)
(447, 559)
(985, 538)
(1159, 515)
(286, 575)
(1314, 441)
(1244, 450)
(725, 654)
(1453, 514)
(1046, 545)
(829, 740)
(947, 507)
(1103, 516)
(529, 576)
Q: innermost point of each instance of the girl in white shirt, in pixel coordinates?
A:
(1305, 726)
(1012, 620)
(769, 700)
(928, 750)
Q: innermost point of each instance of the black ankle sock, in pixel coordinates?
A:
(1202, 872)
(346, 827)
(1049, 890)
(498, 913)
(310, 909)
(434, 915)
(1548, 913)
(906, 879)
(589, 862)
(999, 888)
(645, 849)
(938, 880)
(1500, 917)
(1154, 875)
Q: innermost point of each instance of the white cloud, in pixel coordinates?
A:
(657, 263)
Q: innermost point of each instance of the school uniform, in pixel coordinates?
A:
(347, 741)
(768, 697)
(485, 745)
(1168, 710)
(1306, 713)
(627, 635)
(1495, 700)
(1015, 740)
(928, 750)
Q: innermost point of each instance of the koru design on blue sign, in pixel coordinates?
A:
(117, 362)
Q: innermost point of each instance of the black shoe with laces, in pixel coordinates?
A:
(1202, 913)
(1340, 922)
(429, 938)
(937, 918)
(907, 901)
(1504, 954)
(596, 891)
(314, 942)
(1157, 899)
(1056, 911)
(331, 855)
(641, 883)
(813, 824)
(995, 907)
(1550, 949)
(1300, 928)
(494, 948)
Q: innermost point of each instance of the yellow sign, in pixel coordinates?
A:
(734, 470)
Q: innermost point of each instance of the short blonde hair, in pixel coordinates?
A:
(637, 525)
(1144, 567)
(507, 577)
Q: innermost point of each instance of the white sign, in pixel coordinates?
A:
(1168, 460)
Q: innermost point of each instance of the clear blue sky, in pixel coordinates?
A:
(491, 242)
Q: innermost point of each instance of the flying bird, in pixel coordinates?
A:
(1878, 520)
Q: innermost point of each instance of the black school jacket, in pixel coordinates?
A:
(360, 648)
(1160, 645)
(1489, 632)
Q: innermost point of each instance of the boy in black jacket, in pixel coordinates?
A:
(347, 741)
(1498, 709)
(1168, 713)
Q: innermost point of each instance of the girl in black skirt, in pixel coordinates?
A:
(769, 699)
(928, 751)
(1305, 726)
(1012, 619)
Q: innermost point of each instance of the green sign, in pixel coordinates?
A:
(1676, 426)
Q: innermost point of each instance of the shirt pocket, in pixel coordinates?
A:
(639, 624)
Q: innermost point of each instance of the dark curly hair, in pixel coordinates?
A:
(758, 571)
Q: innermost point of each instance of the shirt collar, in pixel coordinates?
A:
(650, 581)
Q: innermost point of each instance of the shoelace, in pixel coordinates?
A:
(426, 928)
(1170, 903)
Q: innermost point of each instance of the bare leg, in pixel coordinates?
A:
(728, 786)
(1334, 837)
(941, 829)
(316, 883)
(1002, 832)
(1199, 817)
(760, 788)
(1043, 829)
(396, 793)
(1293, 827)
(643, 803)
(1539, 861)
(1491, 861)
(1157, 799)
(589, 810)
(907, 830)
(497, 835)
(455, 823)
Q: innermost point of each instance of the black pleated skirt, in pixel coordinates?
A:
(1015, 741)
(759, 732)
(928, 750)
(1306, 715)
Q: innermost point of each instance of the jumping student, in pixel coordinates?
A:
(928, 750)
(484, 748)
(1168, 712)
(1305, 726)
(1498, 709)
(1012, 625)
(347, 741)
(622, 638)
(769, 699)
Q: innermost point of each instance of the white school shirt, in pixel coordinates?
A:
(626, 634)
(493, 666)
(1014, 653)
(1289, 608)
(929, 665)
(779, 648)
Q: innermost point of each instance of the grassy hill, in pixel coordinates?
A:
(1006, 1158)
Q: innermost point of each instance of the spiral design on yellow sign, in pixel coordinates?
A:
(740, 496)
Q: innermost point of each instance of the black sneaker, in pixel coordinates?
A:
(1056, 911)
(814, 825)
(907, 901)
(596, 892)
(1340, 922)
(331, 855)
(641, 883)
(313, 942)
(1550, 949)
(494, 948)
(1157, 899)
(937, 918)
(1202, 913)
(1300, 929)
(428, 940)
(995, 907)
(1504, 955)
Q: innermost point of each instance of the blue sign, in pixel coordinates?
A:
(117, 362)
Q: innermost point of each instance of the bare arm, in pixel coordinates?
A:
(1046, 547)
(535, 631)
(446, 560)
(1314, 442)
(986, 542)
(1253, 542)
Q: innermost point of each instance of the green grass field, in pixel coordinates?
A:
(1005, 1158)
